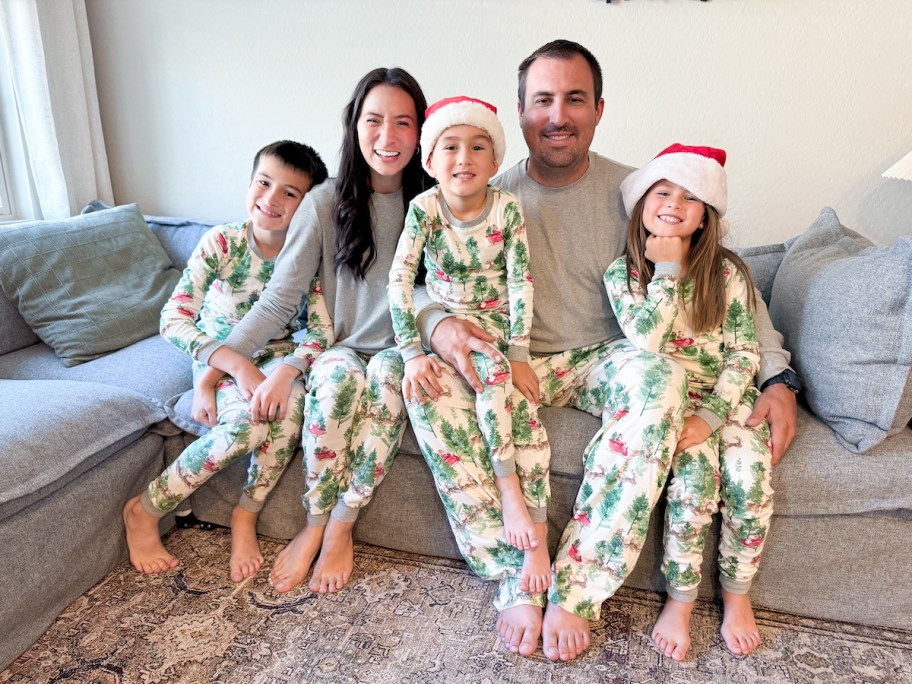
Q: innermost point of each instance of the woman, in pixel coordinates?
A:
(345, 232)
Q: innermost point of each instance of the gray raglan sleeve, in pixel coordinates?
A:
(773, 358)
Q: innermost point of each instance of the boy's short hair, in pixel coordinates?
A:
(298, 156)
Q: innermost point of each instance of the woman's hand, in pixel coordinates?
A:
(421, 373)
(695, 431)
(525, 380)
(270, 399)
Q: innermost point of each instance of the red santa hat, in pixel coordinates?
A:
(461, 111)
(698, 169)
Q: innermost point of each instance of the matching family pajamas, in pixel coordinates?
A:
(479, 271)
(735, 461)
(224, 278)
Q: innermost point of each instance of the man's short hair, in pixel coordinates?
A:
(561, 49)
(300, 157)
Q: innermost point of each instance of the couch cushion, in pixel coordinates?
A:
(844, 307)
(763, 262)
(15, 333)
(151, 368)
(87, 285)
(62, 429)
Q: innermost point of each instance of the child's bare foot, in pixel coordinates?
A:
(518, 527)
(536, 570)
(739, 629)
(147, 553)
(671, 634)
(293, 562)
(565, 636)
(519, 628)
(337, 559)
(246, 557)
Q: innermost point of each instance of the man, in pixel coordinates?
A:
(576, 228)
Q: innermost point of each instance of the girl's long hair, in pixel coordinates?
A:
(704, 267)
(355, 247)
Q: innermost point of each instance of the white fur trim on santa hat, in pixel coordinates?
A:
(461, 111)
(698, 169)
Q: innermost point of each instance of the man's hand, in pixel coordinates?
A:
(525, 380)
(270, 399)
(778, 406)
(695, 431)
(454, 338)
(203, 409)
(421, 379)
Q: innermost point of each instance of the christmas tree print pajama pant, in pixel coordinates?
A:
(640, 398)
(353, 421)
(735, 462)
(272, 445)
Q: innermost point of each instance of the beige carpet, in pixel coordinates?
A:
(404, 618)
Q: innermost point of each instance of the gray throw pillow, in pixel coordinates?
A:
(87, 285)
(844, 306)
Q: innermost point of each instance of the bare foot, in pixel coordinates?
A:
(337, 559)
(147, 553)
(739, 629)
(246, 557)
(519, 628)
(293, 562)
(536, 570)
(564, 635)
(519, 529)
(671, 634)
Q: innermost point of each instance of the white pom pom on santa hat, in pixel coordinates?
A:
(698, 169)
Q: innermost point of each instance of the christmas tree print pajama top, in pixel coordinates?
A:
(735, 462)
(224, 278)
(479, 271)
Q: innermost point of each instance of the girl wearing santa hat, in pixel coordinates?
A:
(679, 292)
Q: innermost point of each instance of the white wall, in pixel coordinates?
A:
(812, 99)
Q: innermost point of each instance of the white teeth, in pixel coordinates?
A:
(669, 219)
(386, 153)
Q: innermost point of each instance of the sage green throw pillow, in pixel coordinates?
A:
(87, 285)
(844, 306)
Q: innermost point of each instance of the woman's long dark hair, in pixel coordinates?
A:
(355, 248)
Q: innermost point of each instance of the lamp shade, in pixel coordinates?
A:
(901, 169)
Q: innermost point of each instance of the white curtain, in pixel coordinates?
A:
(53, 76)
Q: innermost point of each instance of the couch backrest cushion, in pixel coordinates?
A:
(763, 262)
(178, 236)
(844, 306)
(89, 284)
(15, 333)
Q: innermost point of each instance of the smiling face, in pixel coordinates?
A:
(463, 163)
(558, 118)
(671, 211)
(273, 196)
(387, 135)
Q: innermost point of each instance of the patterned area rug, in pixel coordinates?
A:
(403, 618)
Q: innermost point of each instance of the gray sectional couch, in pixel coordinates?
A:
(78, 441)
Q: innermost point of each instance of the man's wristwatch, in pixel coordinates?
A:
(788, 377)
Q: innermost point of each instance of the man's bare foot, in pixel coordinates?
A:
(519, 628)
(671, 634)
(536, 570)
(246, 557)
(293, 562)
(337, 559)
(147, 553)
(519, 529)
(739, 629)
(564, 635)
